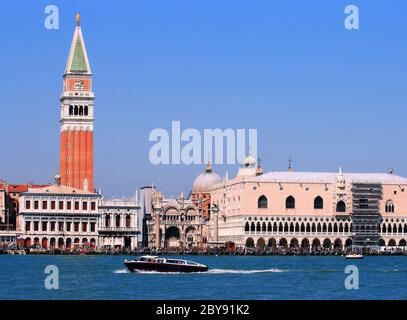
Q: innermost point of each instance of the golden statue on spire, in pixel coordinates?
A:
(78, 19)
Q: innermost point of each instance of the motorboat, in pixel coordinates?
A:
(354, 256)
(156, 264)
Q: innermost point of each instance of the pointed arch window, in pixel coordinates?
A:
(318, 203)
(389, 206)
(262, 203)
(290, 203)
(341, 206)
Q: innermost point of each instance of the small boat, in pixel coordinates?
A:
(152, 263)
(354, 256)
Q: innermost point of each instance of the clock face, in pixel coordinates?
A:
(77, 84)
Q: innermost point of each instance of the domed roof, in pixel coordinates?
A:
(204, 182)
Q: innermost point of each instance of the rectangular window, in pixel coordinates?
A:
(76, 205)
(28, 226)
(36, 204)
(44, 225)
(36, 225)
(44, 205)
(60, 226)
(76, 226)
(53, 226)
(52, 205)
(61, 205)
(92, 227)
(84, 227)
(84, 206)
(28, 204)
(69, 205)
(93, 206)
(68, 227)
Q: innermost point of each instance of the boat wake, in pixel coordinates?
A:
(233, 271)
(213, 271)
(121, 271)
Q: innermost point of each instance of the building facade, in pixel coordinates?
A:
(77, 103)
(2, 206)
(176, 223)
(10, 203)
(65, 218)
(310, 210)
(119, 226)
(59, 217)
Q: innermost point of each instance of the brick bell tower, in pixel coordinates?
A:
(77, 99)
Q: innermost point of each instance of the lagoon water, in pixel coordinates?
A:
(240, 277)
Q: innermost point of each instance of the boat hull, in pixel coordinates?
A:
(135, 266)
(354, 257)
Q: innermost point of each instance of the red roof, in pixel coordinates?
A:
(18, 188)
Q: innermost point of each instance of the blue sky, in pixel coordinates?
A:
(313, 89)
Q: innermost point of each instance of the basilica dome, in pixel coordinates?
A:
(204, 182)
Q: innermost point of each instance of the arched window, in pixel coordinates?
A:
(117, 221)
(262, 203)
(107, 221)
(318, 203)
(76, 112)
(247, 227)
(128, 221)
(71, 110)
(86, 110)
(389, 207)
(81, 110)
(290, 203)
(341, 206)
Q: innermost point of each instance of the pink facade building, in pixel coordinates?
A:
(309, 209)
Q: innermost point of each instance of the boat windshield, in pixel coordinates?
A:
(176, 261)
(147, 259)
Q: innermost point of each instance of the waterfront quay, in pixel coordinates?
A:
(214, 251)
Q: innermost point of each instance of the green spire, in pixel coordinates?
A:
(78, 60)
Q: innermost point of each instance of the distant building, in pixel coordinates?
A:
(182, 222)
(2, 205)
(201, 190)
(175, 223)
(119, 224)
(146, 209)
(9, 202)
(309, 210)
(58, 216)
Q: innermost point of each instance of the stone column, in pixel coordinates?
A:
(215, 227)
(157, 230)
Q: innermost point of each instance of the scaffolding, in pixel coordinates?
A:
(366, 216)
